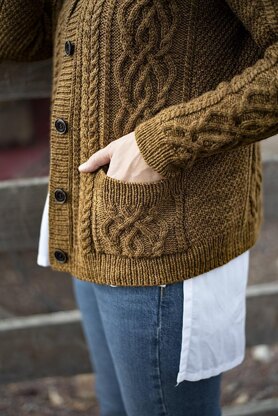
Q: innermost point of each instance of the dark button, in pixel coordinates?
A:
(60, 195)
(60, 256)
(69, 47)
(61, 126)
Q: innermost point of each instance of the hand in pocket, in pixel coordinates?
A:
(125, 160)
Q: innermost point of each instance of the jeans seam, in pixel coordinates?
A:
(158, 352)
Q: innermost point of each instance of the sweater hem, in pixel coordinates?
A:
(167, 269)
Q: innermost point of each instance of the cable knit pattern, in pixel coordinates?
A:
(90, 112)
(123, 226)
(241, 117)
(197, 81)
(239, 112)
(145, 70)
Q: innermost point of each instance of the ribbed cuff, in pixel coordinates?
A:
(154, 147)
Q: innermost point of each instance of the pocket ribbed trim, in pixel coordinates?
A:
(134, 193)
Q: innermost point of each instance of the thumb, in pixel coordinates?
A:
(100, 158)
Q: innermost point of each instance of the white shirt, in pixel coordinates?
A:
(214, 310)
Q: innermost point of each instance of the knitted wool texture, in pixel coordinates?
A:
(198, 83)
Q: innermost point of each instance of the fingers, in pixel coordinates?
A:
(100, 158)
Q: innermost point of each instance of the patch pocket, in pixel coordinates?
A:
(138, 219)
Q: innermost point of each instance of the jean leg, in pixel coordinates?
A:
(130, 321)
(106, 383)
(143, 330)
(189, 398)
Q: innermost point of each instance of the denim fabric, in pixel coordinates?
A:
(134, 338)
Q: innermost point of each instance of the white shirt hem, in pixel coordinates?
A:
(42, 261)
(200, 375)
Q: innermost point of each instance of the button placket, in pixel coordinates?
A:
(60, 196)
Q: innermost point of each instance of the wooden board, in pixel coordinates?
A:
(267, 407)
(20, 80)
(21, 207)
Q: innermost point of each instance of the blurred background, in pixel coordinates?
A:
(44, 364)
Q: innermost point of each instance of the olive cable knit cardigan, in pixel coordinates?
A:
(198, 83)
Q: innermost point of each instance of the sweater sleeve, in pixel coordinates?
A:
(238, 112)
(26, 29)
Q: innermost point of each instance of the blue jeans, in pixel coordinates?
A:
(134, 340)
